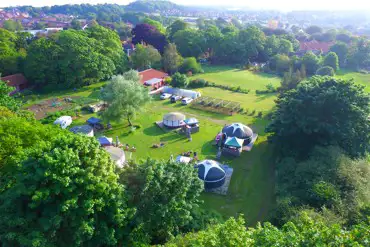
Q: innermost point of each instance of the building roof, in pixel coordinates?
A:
(152, 81)
(148, 74)
(15, 80)
(315, 45)
(174, 116)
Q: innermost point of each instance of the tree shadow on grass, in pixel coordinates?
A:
(261, 97)
(153, 130)
(173, 137)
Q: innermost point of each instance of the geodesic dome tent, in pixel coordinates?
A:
(174, 119)
(239, 131)
(211, 173)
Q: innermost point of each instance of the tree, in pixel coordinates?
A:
(343, 37)
(252, 41)
(326, 70)
(64, 193)
(149, 35)
(12, 26)
(189, 42)
(123, 30)
(285, 47)
(145, 57)
(76, 24)
(190, 64)
(322, 111)
(341, 49)
(10, 56)
(6, 100)
(155, 24)
(280, 63)
(331, 59)
(179, 80)
(125, 97)
(359, 54)
(313, 29)
(171, 58)
(162, 211)
(311, 62)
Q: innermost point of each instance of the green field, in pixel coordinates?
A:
(363, 79)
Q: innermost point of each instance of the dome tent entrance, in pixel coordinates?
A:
(174, 120)
(239, 131)
(211, 173)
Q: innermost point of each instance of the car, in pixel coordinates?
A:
(175, 98)
(186, 101)
(165, 96)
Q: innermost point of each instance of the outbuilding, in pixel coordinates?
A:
(211, 173)
(174, 120)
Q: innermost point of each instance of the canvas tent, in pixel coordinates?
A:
(83, 129)
(63, 121)
(105, 141)
(117, 155)
(174, 120)
(182, 92)
(211, 173)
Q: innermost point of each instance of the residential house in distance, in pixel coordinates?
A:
(152, 78)
(18, 81)
(314, 46)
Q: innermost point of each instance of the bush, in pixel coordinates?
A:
(179, 80)
(269, 89)
(326, 70)
(197, 83)
(190, 64)
(259, 115)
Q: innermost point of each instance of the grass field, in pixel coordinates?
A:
(363, 79)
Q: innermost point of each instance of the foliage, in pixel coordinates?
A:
(341, 49)
(326, 70)
(176, 26)
(280, 63)
(155, 24)
(11, 55)
(6, 100)
(150, 35)
(311, 63)
(190, 64)
(198, 83)
(165, 194)
(76, 24)
(12, 26)
(125, 97)
(285, 47)
(313, 29)
(145, 57)
(292, 79)
(304, 232)
(189, 42)
(65, 193)
(123, 30)
(322, 110)
(72, 58)
(179, 80)
(331, 59)
(171, 59)
(359, 54)
(269, 89)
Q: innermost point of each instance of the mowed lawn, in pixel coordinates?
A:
(224, 75)
(363, 79)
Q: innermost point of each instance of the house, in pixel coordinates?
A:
(315, 46)
(152, 78)
(17, 80)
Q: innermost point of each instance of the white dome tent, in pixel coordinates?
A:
(174, 120)
(211, 173)
(63, 121)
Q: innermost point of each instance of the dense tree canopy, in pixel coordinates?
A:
(11, 25)
(341, 49)
(11, 54)
(6, 100)
(165, 195)
(189, 42)
(190, 64)
(125, 96)
(331, 60)
(311, 62)
(171, 59)
(179, 80)
(176, 26)
(326, 70)
(155, 24)
(323, 111)
(64, 193)
(150, 35)
(145, 57)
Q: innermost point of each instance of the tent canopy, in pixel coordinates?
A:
(191, 121)
(238, 130)
(93, 120)
(234, 142)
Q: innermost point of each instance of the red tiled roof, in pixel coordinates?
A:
(148, 74)
(314, 45)
(15, 80)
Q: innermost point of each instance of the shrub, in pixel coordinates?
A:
(259, 115)
(197, 83)
(269, 89)
(252, 113)
(326, 70)
(190, 64)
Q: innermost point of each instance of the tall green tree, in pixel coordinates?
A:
(341, 49)
(331, 60)
(5, 100)
(190, 64)
(65, 193)
(189, 42)
(145, 57)
(179, 80)
(12, 26)
(285, 46)
(10, 54)
(171, 59)
(125, 97)
(165, 194)
(322, 110)
(326, 70)
(311, 62)
(155, 24)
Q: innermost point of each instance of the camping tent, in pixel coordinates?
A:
(174, 119)
(83, 129)
(63, 121)
(183, 159)
(105, 141)
(239, 131)
(117, 155)
(182, 92)
(211, 173)
(234, 142)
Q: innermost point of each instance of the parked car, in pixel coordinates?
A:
(186, 101)
(175, 98)
(165, 96)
